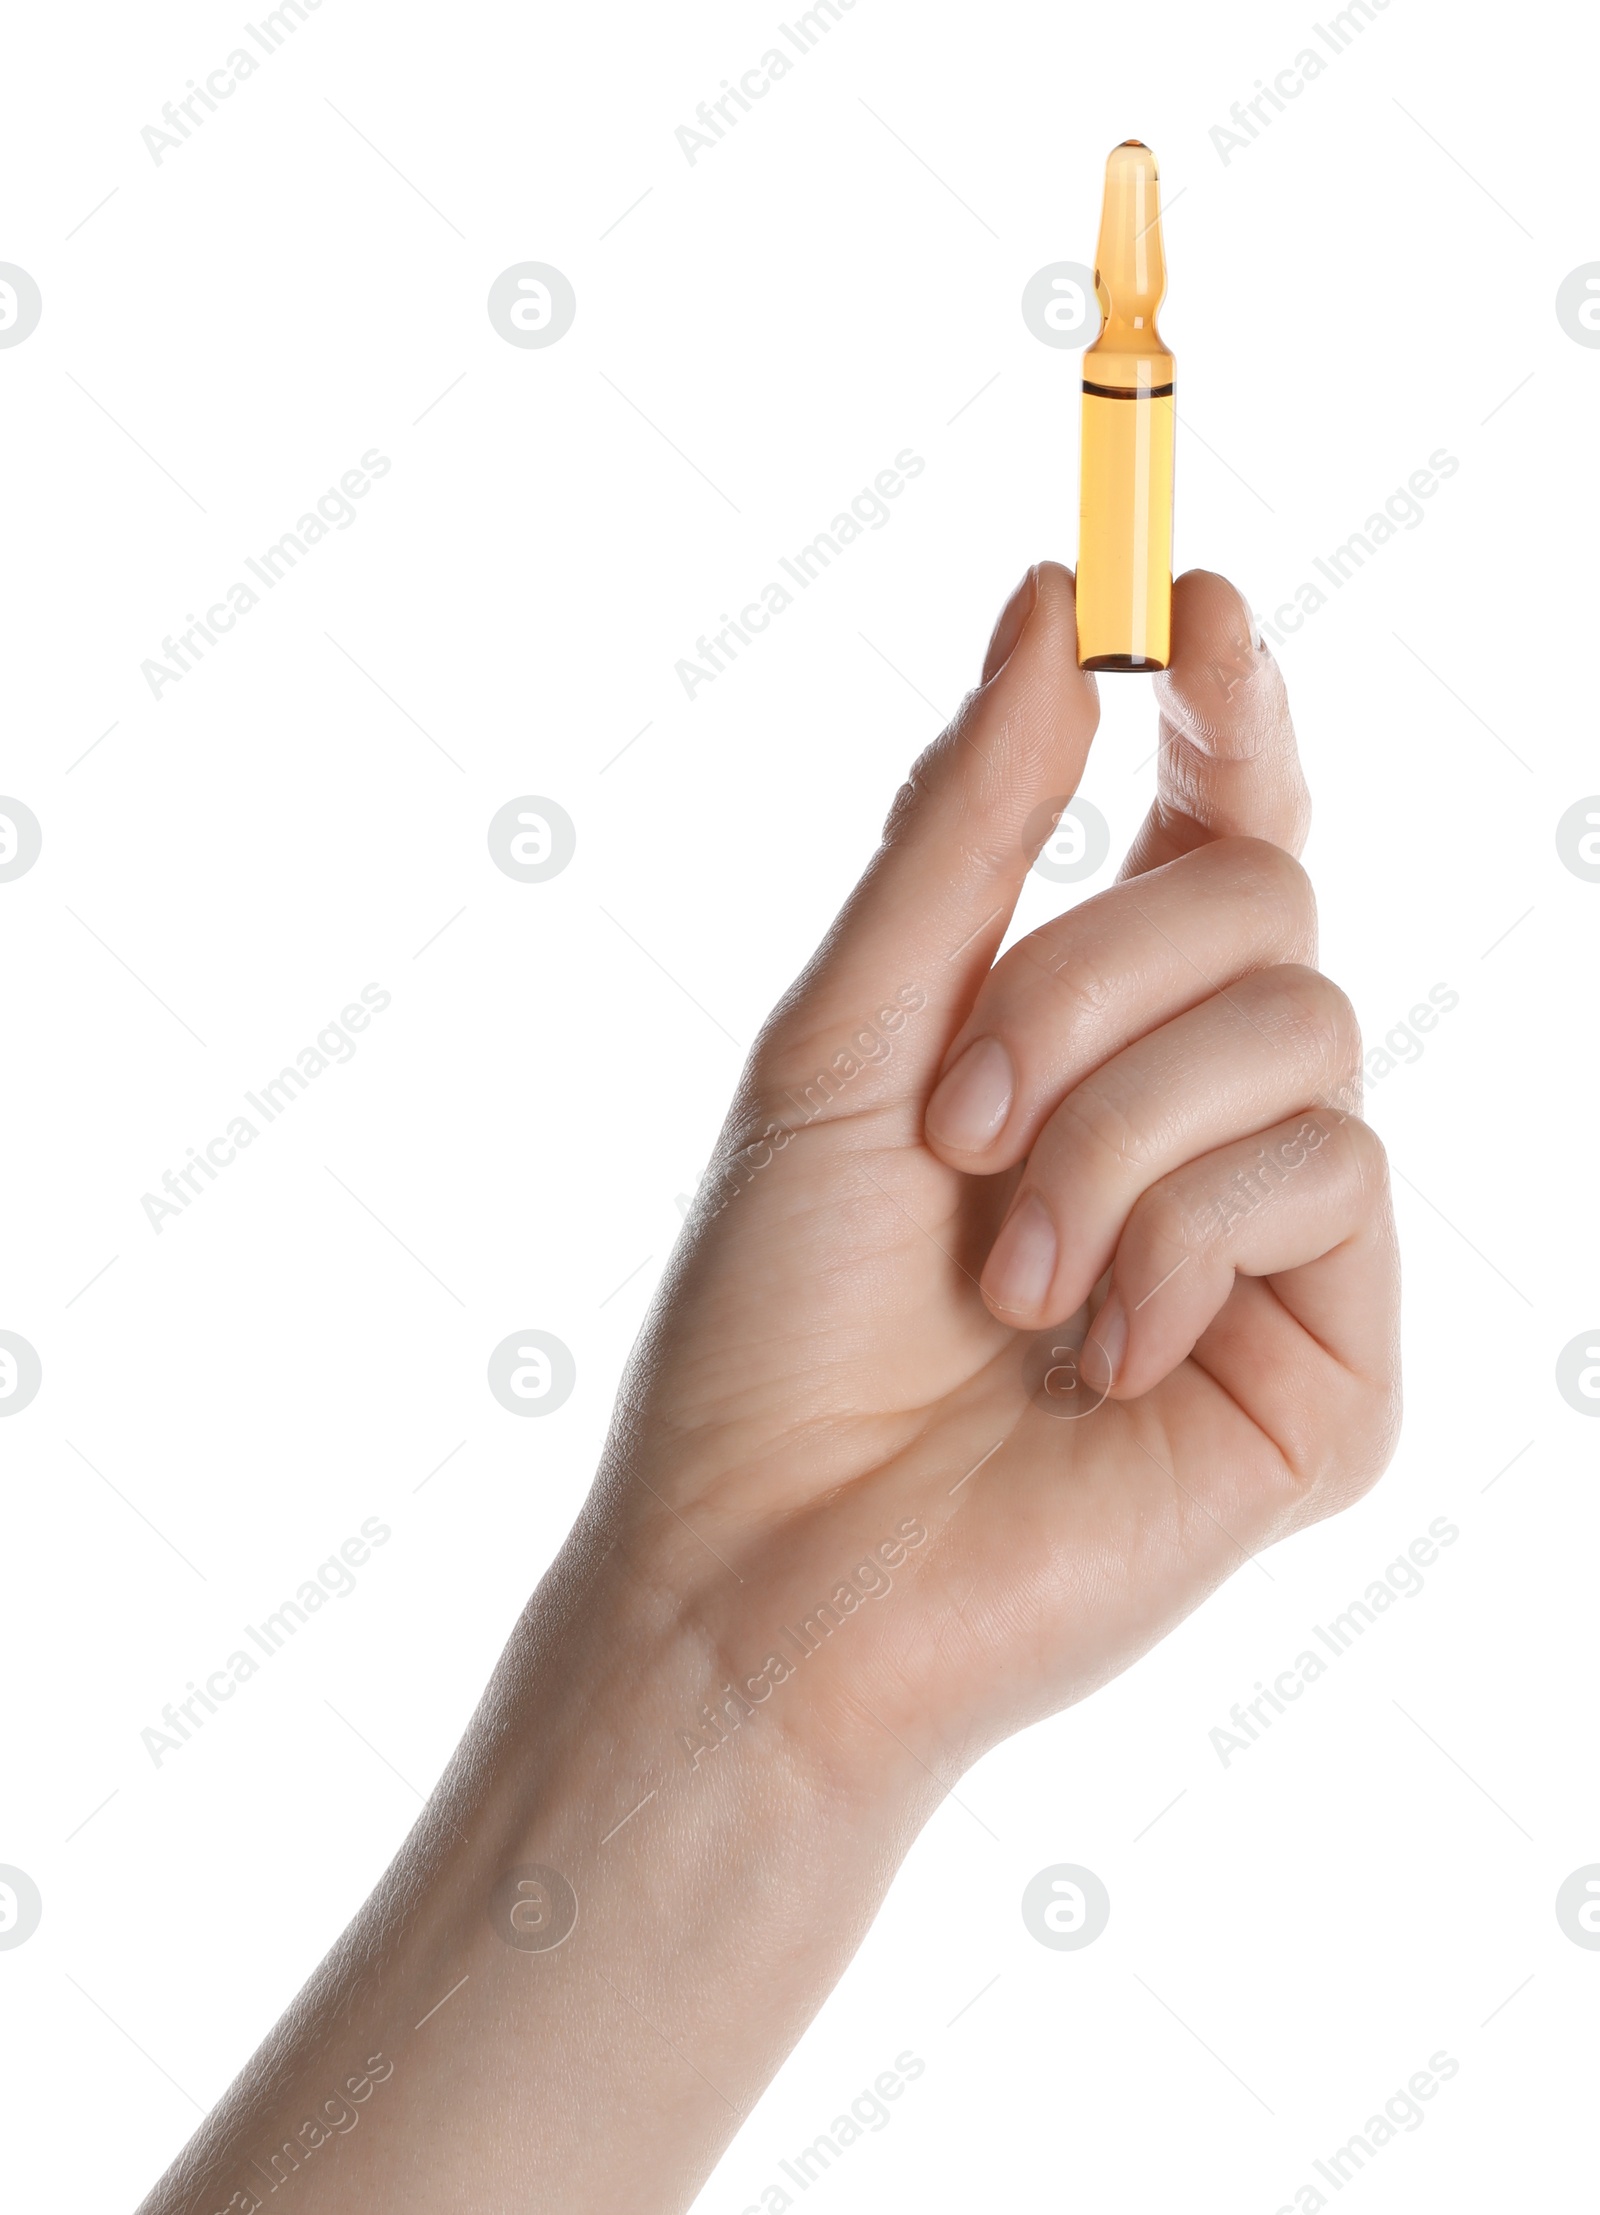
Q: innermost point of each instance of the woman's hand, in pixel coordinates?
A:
(870, 1502)
(936, 1162)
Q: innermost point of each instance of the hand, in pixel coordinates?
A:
(934, 1157)
(851, 1527)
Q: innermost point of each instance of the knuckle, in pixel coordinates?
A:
(1313, 1016)
(1174, 1218)
(1334, 1477)
(1082, 993)
(1091, 1128)
(1052, 998)
(934, 779)
(1265, 872)
(916, 794)
(1216, 706)
(1370, 1156)
(901, 810)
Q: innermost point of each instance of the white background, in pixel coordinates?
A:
(756, 338)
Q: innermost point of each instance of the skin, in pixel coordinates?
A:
(862, 1371)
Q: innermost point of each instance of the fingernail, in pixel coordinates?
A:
(1022, 1265)
(1008, 630)
(971, 1101)
(1105, 1346)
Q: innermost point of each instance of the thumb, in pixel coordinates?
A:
(922, 927)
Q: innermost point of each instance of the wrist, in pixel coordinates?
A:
(643, 1697)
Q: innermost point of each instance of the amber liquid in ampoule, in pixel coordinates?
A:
(1125, 584)
(1125, 491)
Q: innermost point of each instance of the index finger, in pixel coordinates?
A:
(1228, 764)
(930, 912)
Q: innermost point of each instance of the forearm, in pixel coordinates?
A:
(611, 2066)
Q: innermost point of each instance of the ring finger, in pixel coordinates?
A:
(1265, 1206)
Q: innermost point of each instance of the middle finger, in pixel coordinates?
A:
(1088, 983)
(1278, 1041)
